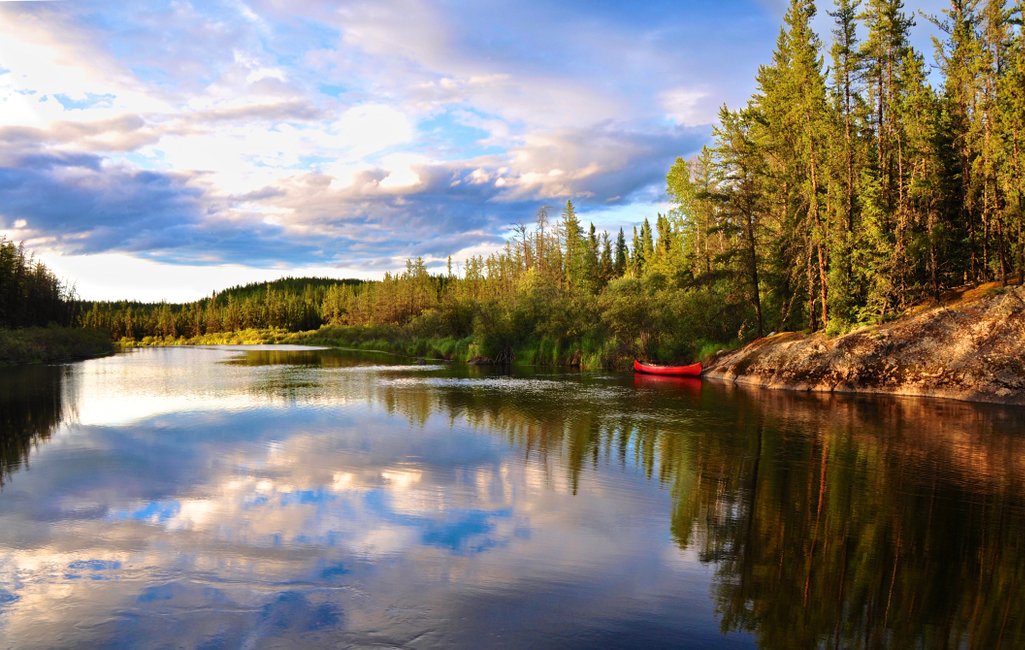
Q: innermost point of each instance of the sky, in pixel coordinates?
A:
(164, 150)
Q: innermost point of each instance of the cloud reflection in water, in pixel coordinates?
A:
(266, 504)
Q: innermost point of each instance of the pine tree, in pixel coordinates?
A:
(959, 59)
(1011, 123)
(591, 261)
(846, 160)
(921, 194)
(606, 268)
(577, 261)
(881, 240)
(647, 244)
(794, 129)
(741, 164)
(621, 258)
(694, 189)
(995, 44)
(636, 255)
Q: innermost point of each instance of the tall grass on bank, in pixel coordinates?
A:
(586, 352)
(382, 338)
(52, 344)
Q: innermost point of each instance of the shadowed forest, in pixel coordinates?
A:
(38, 312)
(30, 294)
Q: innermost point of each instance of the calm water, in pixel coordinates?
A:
(295, 498)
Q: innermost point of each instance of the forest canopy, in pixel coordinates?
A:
(844, 191)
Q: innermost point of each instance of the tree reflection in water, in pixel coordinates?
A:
(891, 523)
(32, 406)
(832, 521)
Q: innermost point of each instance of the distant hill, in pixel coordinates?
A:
(243, 291)
(286, 284)
(293, 304)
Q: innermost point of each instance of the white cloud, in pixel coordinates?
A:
(17, 109)
(369, 128)
(246, 155)
(460, 257)
(689, 106)
(48, 55)
(402, 170)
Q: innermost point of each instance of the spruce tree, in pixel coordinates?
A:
(1011, 126)
(958, 56)
(793, 131)
(846, 160)
(621, 258)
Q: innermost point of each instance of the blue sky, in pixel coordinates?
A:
(162, 150)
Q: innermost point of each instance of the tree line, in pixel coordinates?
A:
(30, 294)
(291, 304)
(556, 291)
(841, 194)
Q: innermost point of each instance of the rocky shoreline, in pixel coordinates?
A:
(969, 346)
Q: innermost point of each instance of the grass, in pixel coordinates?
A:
(52, 345)
(394, 340)
(707, 349)
(240, 337)
(588, 352)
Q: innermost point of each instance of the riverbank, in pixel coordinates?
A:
(969, 346)
(394, 339)
(52, 345)
(384, 338)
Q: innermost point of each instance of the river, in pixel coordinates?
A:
(289, 497)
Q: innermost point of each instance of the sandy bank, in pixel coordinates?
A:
(970, 346)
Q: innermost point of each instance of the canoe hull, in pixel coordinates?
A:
(693, 370)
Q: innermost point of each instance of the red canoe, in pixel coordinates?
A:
(693, 370)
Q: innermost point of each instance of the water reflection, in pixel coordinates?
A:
(32, 405)
(318, 498)
(844, 521)
(677, 385)
(893, 523)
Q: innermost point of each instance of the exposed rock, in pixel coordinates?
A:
(969, 348)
